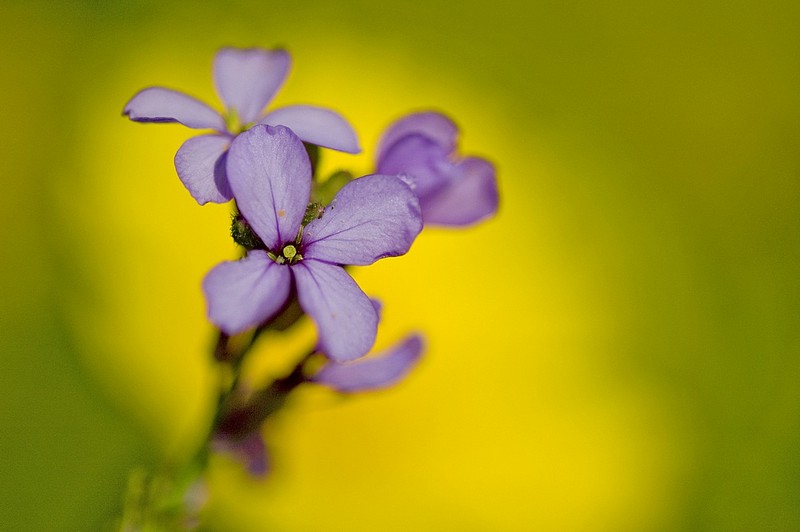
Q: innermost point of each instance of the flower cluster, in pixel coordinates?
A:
(297, 242)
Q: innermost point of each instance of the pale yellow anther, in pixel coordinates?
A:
(289, 251)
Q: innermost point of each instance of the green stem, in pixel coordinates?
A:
(239, 421)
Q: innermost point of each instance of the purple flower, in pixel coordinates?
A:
(246, 81)
(452, 190)
(374, 372)
(370, 218)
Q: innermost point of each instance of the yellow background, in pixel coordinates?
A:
(617, 350)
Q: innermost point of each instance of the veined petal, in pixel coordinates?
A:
(247, 79)
(421, 159)
(346, 319)
(370, 218)
(270, 175)
(158, 104)
(435, 126)
(374, 372)
(315, 125)
(200, 163)
(470, 197)
(242, 294)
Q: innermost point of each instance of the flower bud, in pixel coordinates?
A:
(243, 234)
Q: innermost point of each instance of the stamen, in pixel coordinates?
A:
(289, 251)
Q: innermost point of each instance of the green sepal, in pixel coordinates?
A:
(324, 192)
(313, 211)
(313, 156)
(243, 234)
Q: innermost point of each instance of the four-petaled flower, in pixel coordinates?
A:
(246, 81)
(370, 218)
(452, 190)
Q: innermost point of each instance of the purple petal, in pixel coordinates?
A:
(435, 126)
(200, 163)
(157, 104)
(420, 158)
(345, 317)
(250, 451)
(247, 79)
(315, 125)
(374, 372)
(471, 196)
(377, 305)
(242, 294)
(270, 175)
(369, 218)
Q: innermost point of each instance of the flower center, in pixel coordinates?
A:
(289, 251)
(234, 125)
(289, 255)
(232, 121)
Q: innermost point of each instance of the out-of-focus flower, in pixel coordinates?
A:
(246, 81)
(373, 372)
(452, 190)
(369, 218)
(250, 451)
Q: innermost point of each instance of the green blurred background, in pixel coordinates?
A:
(617, 350)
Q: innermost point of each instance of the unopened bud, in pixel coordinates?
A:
(243, 234)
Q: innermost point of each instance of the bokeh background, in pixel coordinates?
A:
(617, 350)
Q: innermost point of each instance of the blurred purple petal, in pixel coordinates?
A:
(370, 218)
(250, 451)
(270, 175)
(471, 197)
(435, 126)
(242, 294)
(158, 104)
(316, 125)
(200, 163)
(247, 79)
(345, 317)
(374, 372)
(422, 160)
